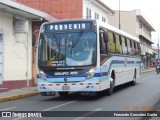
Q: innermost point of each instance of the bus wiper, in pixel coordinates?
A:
(77, 38)
(55, 39)
(58, 44)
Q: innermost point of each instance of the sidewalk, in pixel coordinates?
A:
(18, 94)
(148, 70)
(30, 91)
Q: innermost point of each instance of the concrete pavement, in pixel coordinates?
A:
(30, 91)
(18, 94)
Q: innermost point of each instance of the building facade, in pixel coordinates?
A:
(68, 9)
(16, 43)
(135, 23)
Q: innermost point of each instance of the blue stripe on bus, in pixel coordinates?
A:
(101, 74)
(117, 62)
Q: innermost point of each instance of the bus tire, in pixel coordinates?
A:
(109, 91)
(63, 94)
(133, 82)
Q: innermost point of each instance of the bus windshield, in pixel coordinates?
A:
(67, 49)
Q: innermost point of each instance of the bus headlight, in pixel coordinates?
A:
(90, 73)
(42, 76)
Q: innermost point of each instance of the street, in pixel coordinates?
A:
(141, 97)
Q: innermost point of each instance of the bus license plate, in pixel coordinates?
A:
(65, 87)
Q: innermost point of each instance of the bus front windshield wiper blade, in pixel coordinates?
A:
(58, 44)
(54, 36)
(77, 38)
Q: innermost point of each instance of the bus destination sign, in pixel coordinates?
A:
(68, 26)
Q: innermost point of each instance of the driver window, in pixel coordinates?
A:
(102, 43)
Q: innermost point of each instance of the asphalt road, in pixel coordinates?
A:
(141, 97)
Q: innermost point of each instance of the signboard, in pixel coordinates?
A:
(20, 25)
(68, 26)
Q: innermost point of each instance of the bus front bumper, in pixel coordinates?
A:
(78, 87)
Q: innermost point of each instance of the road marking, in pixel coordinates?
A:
(8, 108)
(58, 106)
(87, 114)
(50, 108)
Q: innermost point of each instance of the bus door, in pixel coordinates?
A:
(103, 53)
(103, 46)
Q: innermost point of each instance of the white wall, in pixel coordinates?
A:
(15, 50)
(87, 4)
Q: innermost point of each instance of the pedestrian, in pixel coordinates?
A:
(142, 65)
(158, 67)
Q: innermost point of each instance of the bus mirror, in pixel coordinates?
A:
(33, 40)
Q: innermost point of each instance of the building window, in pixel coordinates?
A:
(88, 13)
(149, 32)
(140, 24)
(103, 19)
(96, 16)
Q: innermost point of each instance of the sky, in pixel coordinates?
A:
(149, 8)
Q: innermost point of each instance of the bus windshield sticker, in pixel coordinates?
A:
(58, 63)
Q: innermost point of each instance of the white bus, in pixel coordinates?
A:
(85, 56)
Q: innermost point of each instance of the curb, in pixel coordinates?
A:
(19, 96)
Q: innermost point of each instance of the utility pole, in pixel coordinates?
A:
(119, 16)
(158, 44)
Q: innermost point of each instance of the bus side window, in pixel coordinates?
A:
(118, 45)
(129, 47)
(126, 45)
(139, 49)
(133, 49)
(120, 41)
(134, 46)
(103, 48)
(103, 45)
(111, 42)
(124, 48)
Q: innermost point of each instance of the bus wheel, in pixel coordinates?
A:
(110, 90)
(63, 94)
(134, 79)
